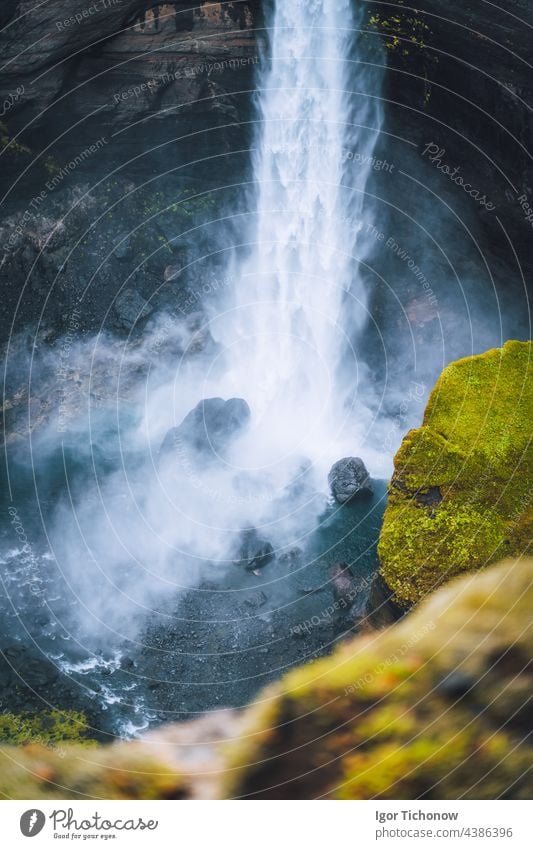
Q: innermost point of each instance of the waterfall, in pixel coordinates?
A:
(153, 523)
(298, 298)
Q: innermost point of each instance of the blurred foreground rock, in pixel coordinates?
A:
(437, 706)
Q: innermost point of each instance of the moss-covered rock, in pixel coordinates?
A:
(49, 728)
(437, 706)
(124, 771)
(460, 496)
(175, 761)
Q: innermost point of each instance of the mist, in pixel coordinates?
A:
(342, 282)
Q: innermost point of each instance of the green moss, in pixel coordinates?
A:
(48, 728)
(428, 761)
(51, 165)
(433, 706)
(400, 30)
(121, 771)
(407, 38)
(15, 148)
(441, 546)
(473, 451)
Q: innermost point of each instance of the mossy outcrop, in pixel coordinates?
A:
(124, 771)
(176, 761)
(49, 728)
(460, 496)
(436, 707)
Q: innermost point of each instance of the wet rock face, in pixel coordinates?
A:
(90, 109)
(254, 552)
(148, 53)
(469, 71)
(206, 432)
(130, 309)
(460, 493)
(349, 479)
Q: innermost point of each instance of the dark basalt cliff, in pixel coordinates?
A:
(125, 136)
(130, 107)
(169, 88)
(77, 73)
(459, 73)
(122, 59)
(460, 78)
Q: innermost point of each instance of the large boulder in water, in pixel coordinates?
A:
(460, 495)
(348, 479)
(208, 430)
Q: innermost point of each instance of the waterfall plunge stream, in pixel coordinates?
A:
(299, 300)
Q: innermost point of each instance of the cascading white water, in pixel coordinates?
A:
(286, 328)
(298, 298)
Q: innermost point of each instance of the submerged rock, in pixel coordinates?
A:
(351, 595)
(254, 551)
(208, 429)
(460, 496)
(255, 600)
(344, 584)
(348, 479)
